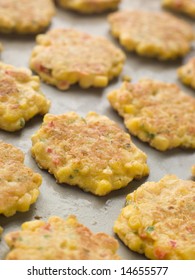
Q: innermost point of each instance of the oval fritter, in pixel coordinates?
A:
(152, 34)
(20, 97)
(64, 57)
(93, 152)
(25, 16)
(182, 6)
(186, 73)
(89, 6)
(159, 220)
(158, 113)
(19, 185)
(60, 239)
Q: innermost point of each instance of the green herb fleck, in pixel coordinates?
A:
(76, 170)
(71, 176)
(22, 122)
(150, 229)
(127, 146)
(150, 135)
(128, 202)
(70, 121)
(46, 235)
(83, 120)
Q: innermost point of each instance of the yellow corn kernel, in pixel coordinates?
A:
(11, 117)
(149, 251)
(126, 78)
(72, 245)
(129, 109)
(84, 170)
(115, 165)
(72, 78)
(187, 254)
(10, 212)
(103, 187)
(126, 41)
(32, 225)
(135, 244)
(100, 81)
(176, 141)
(34, 195)
(86, 81)
(39, 148)
(35, 78)
(24, 203)
(127, 212)
(63, 174)
(161, 142)
(133, 124)
(134, 222)
(107, 171)
(119, 183)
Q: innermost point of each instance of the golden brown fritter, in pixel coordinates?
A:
(152, 34)
(60, 239)
(93, 153)
(158, 113)
(25, 16)
(64, 57)
(19, 185)
(159, 220)
(20, 97)
(186, 73)
(182, 6)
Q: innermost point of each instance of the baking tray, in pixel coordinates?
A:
(98, 213)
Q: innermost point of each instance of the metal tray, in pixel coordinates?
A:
(98, 213)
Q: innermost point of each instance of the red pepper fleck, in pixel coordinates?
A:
(56, 161)
(143, 235)
(44, 69)
(15, 106)
(159, 254)
(173, 243)
(47, 226)
(9, 72)
(189, 229)
(49, 150)
(51, 124)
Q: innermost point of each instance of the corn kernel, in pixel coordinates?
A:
(129, 109)
(24, 202)
(133, 124)
(136, 244)
(32, 225)
(161, 142)
(134, 222)
(100, 81)
(86, 81)
(103, 187)
(63, 173)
